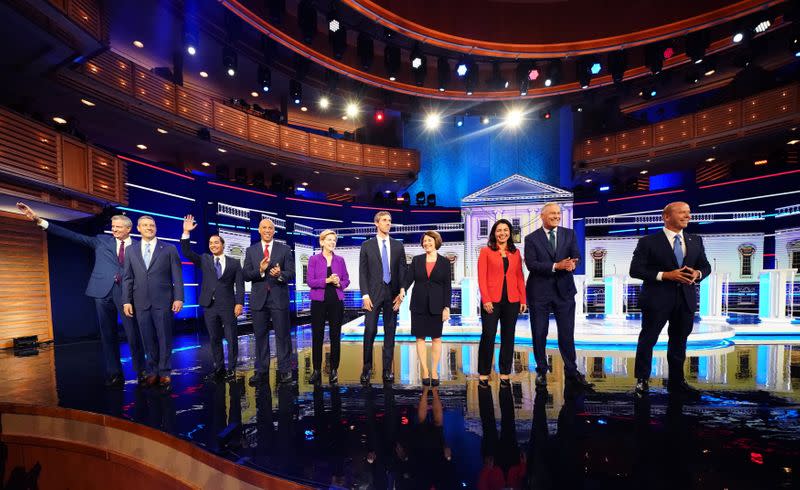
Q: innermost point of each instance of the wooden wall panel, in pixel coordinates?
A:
(322, 147)
(104, 181)
(263, 132)
(194, 108)
(404, 159)
(154, 90)
(769, 105)
(27, 148)
(673, 131)
(113, 70)
(75, 164)
(230, 120)
(294, 140)
(718, 119)
(349, 152)
(87, 14)
(376, 156)
(24, 281)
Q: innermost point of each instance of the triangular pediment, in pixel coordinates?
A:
(517, 189)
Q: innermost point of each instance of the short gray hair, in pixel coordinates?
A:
(547, 205)
(125, 220)
(144, 217)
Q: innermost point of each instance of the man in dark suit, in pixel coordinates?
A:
(269, 266)
(670, 263)
(105, 286)
(153, 285)
(551, 253)
(221, 304)
(382, 264)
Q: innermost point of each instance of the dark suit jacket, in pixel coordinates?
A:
(544, 284)
(156, 286)
(654, 254)
(431, 294)
(370, 267)
(220, 290)
(106, 265)
(276, 296)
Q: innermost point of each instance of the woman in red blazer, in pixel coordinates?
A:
(502, 289)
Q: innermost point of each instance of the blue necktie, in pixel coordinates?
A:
(146, 256)
(678, 250)
(553, 239)
(218, 268)
(387, 276)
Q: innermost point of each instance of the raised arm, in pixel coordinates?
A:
(87, 241)
(186, 247)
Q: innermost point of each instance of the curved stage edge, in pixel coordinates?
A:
(121, 454)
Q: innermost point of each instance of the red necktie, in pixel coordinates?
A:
(266, 256)
(121, 260)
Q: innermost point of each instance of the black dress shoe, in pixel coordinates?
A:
(257, 379)
(483, 383)
(334, 377)
(315, 378)
(579, 381)
(426, 381)
(505, 382)
(388, 377)
(285, 378)
(642, 387)
(365, 376)
(115, 381)
(682, 388)
(541, 380)
(230, 374)
(434, 381)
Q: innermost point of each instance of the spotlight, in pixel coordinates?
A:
(485, 120)
(617, 63)
(338, 40)
(432, 121)
(583, 70)
(191, 39)
(524, 70)
(351, 110)
(138, 44)
(416, 56)
(533, 73)
(738, 37)
(391, 59)
(419, 65)
(523, 88)
(324, 103)
(60, 120)
(264, 78)
(295, 91)
(462, 67)
(696, 45)
(459, 121)
(513, 118)
(668, 52)
(577, 108)
(553, 73)
(334, 19)
(230, 60)
(595, 68)
(204, 74)
(420, 198)
(604, 188)
(709, 67)
(443, 72)
(762, 25)
(379, 115)
(365, 49)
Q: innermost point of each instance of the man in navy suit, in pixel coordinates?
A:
(105, 286)
(382, 265)
(551, 253)
(670, 263)
(221, 304)
(153, 285)
(269, 266)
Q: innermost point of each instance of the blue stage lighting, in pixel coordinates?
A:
(596, 67)
(461, 69)
(604, 188)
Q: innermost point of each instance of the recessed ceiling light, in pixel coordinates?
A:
(304, 108)
(387, 192)
(205, 164)
(204, 74)
(588, 181)
(643, 172)
(273, 164)
(141, 146)
(316, 172)
(347, 189)
(254, 93)
(222, 150)
(304, 184)
(395, 181)
(710, 159)
(60, 120)
(344, 118)
(760, 162)
(88, 102)
(358, 178)
(138, 44)
(161, 130)
(793, 142)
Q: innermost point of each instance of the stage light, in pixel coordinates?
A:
(347, 189)
(738, 37)
(141, 146)
(304, 184)
(324, 103)
(617, 64)
(333, 21)
(416, 56)
(583, 70)
(696, 45)
(792, 142)
(462, 68)
(523, 88)
(553, 73)
(710, 159)
(692, 77)
(485, 120)
(88, 103)
(307, 20)
(304, 109)
(546, 115)
(138, 44)
(352, 109)
(230, 60)
(205, 164)
(668, 52)
(459, 121)
(60, 120)
(295, 91)
(577, 108)
(595, 68)
(391, 59)
(253, 94)
(264, 78)
(588, 181)
(191, 39)
(338, 40)
(432, 121)
(300, 189)
(379, 115)
(533, 74)
(760, 162)
(273, 164)
(161, 130)
(365, 48)
(443, 72)
(222, 150)
(654, 57)
(643, 172)
(709, 67)
(204, 74)
(762, 26)
(513, 118)
(604, 188)
(419, 65)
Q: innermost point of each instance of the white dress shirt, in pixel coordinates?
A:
(152, 246)
(221, 258)
(671, 237)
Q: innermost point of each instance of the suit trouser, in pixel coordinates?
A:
(681, 321)
(283, 338)
(333, 312)
(383, 302)
(506, 313)
(221, 320)
(108, 309)
(564, 312)
(156, 327)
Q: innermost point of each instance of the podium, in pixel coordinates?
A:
(580, 297)
(772, 292)
(614, 288)
(714, 297)
(470, 303)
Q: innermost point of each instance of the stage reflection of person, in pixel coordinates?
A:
(504, 463)
(328, 278)
(502, 289)
(430, 457)
(385, 455)
(539, 449)
(491, 476)
(430, 302)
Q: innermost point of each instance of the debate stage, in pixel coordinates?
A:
(744, 431)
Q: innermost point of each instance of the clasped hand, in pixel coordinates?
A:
(684, 275)
(275, 271)
(567, 264)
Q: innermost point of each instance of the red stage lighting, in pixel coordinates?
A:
(533, 74)
(668, 52)
(379, 115)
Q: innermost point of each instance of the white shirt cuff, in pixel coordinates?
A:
(554, 267)
(184, 236)
(364, 297)
(658, 276)
(43, 224)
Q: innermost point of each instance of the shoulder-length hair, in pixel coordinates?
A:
(492, 243)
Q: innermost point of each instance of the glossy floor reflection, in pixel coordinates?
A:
(743, 433)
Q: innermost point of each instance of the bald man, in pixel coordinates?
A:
(670, 263)
(269, 266)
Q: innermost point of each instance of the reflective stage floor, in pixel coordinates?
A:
(744, 432)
